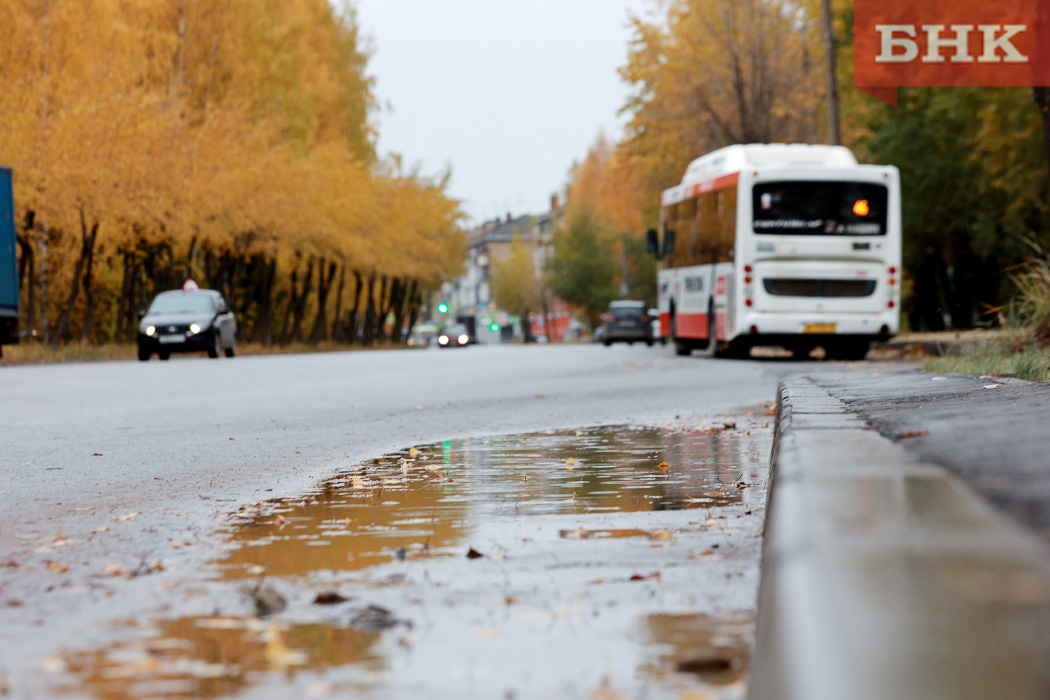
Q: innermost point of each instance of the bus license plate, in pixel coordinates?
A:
(819, 327)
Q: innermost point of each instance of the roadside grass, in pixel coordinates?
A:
(41, 354)
(1023, 350)
(995, 358)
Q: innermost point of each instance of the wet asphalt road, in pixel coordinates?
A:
(117, 468)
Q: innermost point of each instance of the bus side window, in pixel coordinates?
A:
(727, 219)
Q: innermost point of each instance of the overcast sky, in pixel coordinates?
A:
(507, 92)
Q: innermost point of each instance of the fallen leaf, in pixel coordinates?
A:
(912, 433)
(96, 454)
(639, 577)
(329, 598)
(57, 567)
(112, 570)
(662, 535)
(474, 554)
(664, 466)
(730, 425)
(570, 463)
(413, 452)
(255, 570)
(993, 386)
(129, 516)
(359, 483)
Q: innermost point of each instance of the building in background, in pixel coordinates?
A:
(468, 299)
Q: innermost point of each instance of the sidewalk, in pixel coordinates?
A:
(885, 575)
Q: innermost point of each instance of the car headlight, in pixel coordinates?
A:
(464, 339)
(443, 340)
(151, 330)
(195, 328)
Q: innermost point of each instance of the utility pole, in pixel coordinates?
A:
(834, 136)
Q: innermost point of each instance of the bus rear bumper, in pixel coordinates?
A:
(871, 326)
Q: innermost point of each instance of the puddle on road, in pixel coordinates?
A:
(630, 570)
(426, 502)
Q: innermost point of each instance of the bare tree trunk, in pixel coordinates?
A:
(324, 285)
(297, 302)
(27, 281)
(370, 312)
(415, 298)
(352, 336)
(834, 135)
(87, 245)
(339, 302)
(87, 325)
(265, 274)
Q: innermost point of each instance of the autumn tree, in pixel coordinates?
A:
(232, 142)
(711, 73)
(583, 269)
(516, 288)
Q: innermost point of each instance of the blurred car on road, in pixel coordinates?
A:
(626, 321)
(187, 320)
(421, 335)
(454, 336)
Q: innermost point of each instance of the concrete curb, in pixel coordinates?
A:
(887, 578)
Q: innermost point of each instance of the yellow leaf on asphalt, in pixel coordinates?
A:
(56, 567)
(570, 463)
(662, 535)
(664, 466)
(413, 452)
(359, 483)
(129, 516)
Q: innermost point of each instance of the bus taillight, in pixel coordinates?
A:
(748, 302)
(890, 304)
(747, 269)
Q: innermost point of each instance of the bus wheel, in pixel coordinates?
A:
(847, 350)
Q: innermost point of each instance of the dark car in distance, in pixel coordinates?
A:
(454, 336)
(187, 320)
(626, 321)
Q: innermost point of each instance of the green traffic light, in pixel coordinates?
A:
(493, 326)
(443, 308)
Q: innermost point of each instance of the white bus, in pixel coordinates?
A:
(786, 245)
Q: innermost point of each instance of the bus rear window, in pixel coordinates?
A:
(814, 208)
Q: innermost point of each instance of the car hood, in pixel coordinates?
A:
(161, 320)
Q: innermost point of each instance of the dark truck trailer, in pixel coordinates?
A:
(8, 263)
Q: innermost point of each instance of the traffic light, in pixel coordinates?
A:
(442, 308)
(493, 326)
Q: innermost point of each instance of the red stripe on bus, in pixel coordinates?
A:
(718, 183)
(691, 325)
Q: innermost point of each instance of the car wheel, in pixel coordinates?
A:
(164, 355)
(144, 355)
(649, 342)
(232, 350)
(213, 351)
(607, 342)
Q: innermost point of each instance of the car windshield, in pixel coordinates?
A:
(627, 311)
(455, 330)
(183, 304)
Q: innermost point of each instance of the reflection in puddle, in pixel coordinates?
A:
(211, 657)
(425, 501)
(592, 579)
(716, 650)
